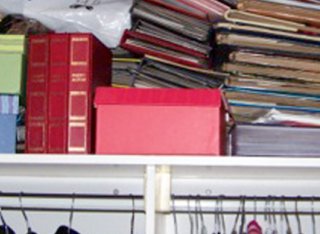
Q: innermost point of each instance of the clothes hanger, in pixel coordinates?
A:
(313, 218)
(133, 215)
(274, 217)
(223, 223)
(243, 216)
(196, 213)
(217, 227)
(29, 229)
(4, 228)
(289, 230)
(174, 216)
(203, 229)
(234, 229)
(298, 218)
(267, 218)
(68, 229)
(190, 217)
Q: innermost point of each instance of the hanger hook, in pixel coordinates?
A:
(190, 216)
(297, 216)
(286, 216)
(234, 229)
(243, 215)
(24, 213)
(71, 212)
(203, 226)
(313, 216)
(175, 221)
(3, 220)
(223, 223)
(133, 214)
(255, 208)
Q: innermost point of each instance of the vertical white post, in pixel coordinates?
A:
(150, 199)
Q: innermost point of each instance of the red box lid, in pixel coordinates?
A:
(156, 96)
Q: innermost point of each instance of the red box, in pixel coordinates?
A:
(160, 121)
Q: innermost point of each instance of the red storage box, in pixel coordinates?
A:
(160, 121)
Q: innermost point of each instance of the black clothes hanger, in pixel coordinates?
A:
(132, 216)
(190, 217)
(4, 228)
(63, 229)
(29, 230)
(175, 221)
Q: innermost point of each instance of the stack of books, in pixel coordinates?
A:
(154, 72)
(63, 71)
(177, 31)
(271, 48)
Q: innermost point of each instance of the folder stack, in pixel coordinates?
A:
(271, 49)
(177, 31)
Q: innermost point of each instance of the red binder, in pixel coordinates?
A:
(72, 66)
(160, 121)
(140, 50)
(37, 89)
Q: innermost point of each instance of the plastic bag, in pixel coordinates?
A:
(106, 19)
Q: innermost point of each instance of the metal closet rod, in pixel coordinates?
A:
(70, 195)
(247, 198)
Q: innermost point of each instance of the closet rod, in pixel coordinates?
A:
(247, 198)
(71, 195)
(80, 210)
(234, 212)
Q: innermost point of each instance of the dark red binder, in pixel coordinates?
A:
(140, 50)
(37, 94)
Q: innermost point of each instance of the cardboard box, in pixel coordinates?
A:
(160, 121)
(9, 109)
(12, 63)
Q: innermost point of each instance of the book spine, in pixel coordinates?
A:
(58, 94)
(79, 95)
(37, 87)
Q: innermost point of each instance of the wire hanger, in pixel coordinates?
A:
(203, 229)
(133, 215)
(267, 217)
(29, 229)
(313, 218)
(174, 216)
(234, 229)
(298, 218)
(223, 223)
(289, 230)
(243, 216)
(196, 213)
(190, 217)
(274, 217)
(4, 227)
(217, 226)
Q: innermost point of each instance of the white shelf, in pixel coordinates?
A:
(134, 166)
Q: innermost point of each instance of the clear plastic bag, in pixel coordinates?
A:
(106, 19)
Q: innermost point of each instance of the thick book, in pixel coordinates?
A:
(172, 20)
(58, 87)
(37, 94)
(282, 11)
(90, 67)
(247, 18)
(64, 71)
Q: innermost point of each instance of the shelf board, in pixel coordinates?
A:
(134, 166)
